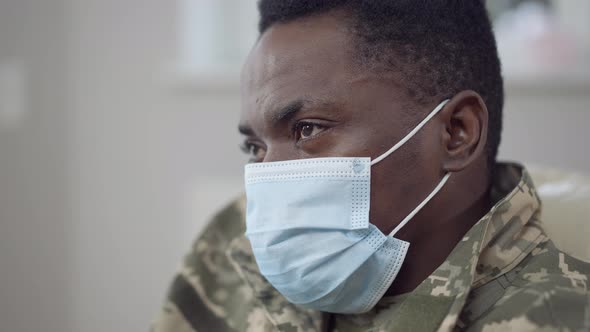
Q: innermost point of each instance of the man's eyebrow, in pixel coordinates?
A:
(284, 114)
(245, 130)
(287, 112)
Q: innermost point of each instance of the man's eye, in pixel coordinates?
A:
(255, 151)
(306, 130)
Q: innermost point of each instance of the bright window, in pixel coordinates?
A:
(216, 35)
(535, 38)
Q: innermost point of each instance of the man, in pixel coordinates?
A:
(329, 88)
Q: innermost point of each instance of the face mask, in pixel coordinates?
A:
(308, 223)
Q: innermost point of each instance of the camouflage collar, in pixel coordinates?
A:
(512, 226)
(493, 246)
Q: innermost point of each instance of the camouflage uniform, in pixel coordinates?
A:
(504, 275)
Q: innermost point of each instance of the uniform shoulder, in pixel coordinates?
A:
(548, 267)
(207, 294)
(226, 224)
(547, 291)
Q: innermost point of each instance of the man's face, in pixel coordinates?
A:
(304, 97)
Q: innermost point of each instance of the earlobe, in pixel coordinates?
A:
(465, 131)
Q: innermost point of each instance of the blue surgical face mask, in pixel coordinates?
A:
(308, 223)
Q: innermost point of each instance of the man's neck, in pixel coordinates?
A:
(430, 246)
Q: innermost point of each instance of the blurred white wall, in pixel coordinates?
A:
(116, 164)
(141, 150)
(96, 181)
(36, 270)
(546, 123)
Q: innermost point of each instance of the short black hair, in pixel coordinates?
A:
(437, 47)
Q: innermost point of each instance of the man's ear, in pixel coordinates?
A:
(464, 139)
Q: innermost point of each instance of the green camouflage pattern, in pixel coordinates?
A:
(504, 275)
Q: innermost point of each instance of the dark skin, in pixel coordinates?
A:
(303, 96)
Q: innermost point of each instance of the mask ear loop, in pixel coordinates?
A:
(419, 207)
(410, 134)
(400, 144)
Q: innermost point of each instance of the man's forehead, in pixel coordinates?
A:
(296, 60)
(303, 47)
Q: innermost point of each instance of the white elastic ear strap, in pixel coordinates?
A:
(411, 134)
(419, 207)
